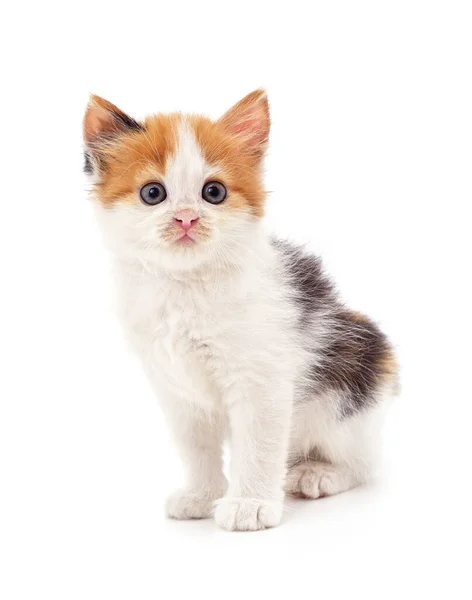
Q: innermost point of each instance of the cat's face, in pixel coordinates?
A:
(177, 190)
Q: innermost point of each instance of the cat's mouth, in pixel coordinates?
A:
(192, 237)
(186, 239)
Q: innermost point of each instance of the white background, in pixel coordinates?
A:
(370, 164)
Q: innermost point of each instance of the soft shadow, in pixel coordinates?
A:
(358, 500)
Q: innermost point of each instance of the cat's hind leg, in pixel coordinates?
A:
(329, 456)
(338, 417)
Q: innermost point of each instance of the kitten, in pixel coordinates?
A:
(242, 336)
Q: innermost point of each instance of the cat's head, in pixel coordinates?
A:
(177, 190)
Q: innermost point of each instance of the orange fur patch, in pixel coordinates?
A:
(137, 157)
(387, 363)
(239, 171)
(359, 317)
(389, 366)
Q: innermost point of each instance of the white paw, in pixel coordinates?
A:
(185, 504)
(247, 514)
(316, 479)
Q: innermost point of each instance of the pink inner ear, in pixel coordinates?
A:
(247, 124)
(251, 124)
(97, 122)
(254, 136)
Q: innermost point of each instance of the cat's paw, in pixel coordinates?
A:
(185, 504)
(247, 514)
(316, 479)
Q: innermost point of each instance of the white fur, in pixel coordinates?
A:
(216, 332)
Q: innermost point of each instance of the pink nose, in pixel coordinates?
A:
(186, 218)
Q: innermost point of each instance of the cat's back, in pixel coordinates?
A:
(302, 274)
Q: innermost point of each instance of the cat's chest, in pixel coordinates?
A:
(177, 335)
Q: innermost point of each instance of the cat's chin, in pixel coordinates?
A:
(185, 255)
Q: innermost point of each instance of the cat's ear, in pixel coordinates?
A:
(249, 121)
(103, 122)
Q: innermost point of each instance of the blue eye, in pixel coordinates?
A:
(153, 193)
(214, 192)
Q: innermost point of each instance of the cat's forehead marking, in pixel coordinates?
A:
(186, 168)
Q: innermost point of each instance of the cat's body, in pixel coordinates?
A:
(244, 340)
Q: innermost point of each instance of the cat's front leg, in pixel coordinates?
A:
(259, 419)
(199, 436)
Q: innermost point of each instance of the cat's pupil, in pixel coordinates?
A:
(213, 190)
(154, 192)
